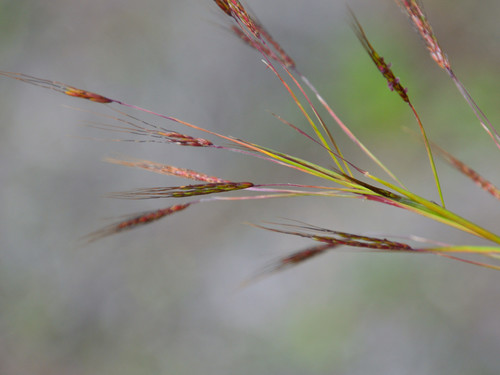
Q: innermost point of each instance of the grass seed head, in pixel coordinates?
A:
(182, 191)
(223, 4)
(384, 68)
(419, 20)
(236, 10)
(58, 86)
(135, 221)
(239, 13)
(341, 238)
(290, 261)
(166, 169)
(184, 140)
(93, 97)
(280, 55)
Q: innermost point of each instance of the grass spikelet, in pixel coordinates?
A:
(240, 15)
(184, 140)
(135, 221)
(395, 85)
(82, 94)
(223, 4)
(151, 133)
(182, 191)
(341, 238)
(155, 135)
(300, 256)
(336, 238)
(281, 56)
(236, 10)
(59, 87)
(284, 57)
(419, 20)
(289, 261)
(384, 68)
(479, 180)
(166, 169)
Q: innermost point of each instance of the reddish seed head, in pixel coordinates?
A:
(149, 216)
(78, 93)
(182, 191)
(384, 68)
(238, 12)
(135, 221)
(224, 6)
(185, 140)
(166, 169)
(281, 56)
(419, 20)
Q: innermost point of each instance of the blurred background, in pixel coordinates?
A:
(165, 298)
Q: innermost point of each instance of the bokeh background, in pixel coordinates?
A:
(165, 299)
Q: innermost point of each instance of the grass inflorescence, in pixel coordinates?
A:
(344, 180)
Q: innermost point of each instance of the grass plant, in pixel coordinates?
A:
(343, 180)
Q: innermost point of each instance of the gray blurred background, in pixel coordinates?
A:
(164, 299)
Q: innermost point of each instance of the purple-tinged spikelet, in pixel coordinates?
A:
(384, 68)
